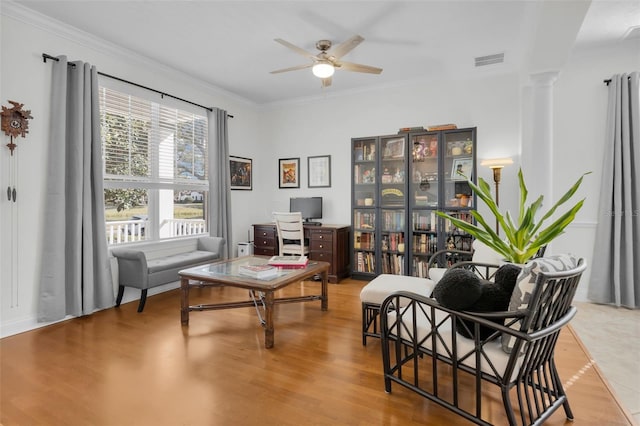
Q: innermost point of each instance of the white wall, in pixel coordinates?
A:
(323, 126)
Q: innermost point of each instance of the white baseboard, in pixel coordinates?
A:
(23, 325)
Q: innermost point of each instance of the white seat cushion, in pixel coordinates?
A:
(383, 285)
(492, 353)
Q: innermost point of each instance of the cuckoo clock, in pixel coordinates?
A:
(15, 122)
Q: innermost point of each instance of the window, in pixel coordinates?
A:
(155, 169)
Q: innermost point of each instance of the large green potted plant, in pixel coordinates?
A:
(522, 239)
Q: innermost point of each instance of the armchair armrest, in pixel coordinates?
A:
(132, 267)
(212, 244)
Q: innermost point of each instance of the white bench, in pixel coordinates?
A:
(151, 264)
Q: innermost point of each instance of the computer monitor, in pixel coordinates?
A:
(310, 207)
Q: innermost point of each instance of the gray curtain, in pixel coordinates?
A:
(615, 276)
(219, 178)
(75, 277)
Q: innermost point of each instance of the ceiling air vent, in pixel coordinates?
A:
(481, 61)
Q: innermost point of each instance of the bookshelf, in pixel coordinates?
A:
(398, 183)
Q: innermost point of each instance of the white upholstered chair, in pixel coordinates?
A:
(290, 233)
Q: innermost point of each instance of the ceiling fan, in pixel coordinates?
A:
(325, 63)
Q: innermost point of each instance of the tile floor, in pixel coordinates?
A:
(612, 337)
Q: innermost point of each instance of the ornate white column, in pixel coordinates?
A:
(537, 146)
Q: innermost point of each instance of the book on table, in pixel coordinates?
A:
(292, 262)
(258, 271)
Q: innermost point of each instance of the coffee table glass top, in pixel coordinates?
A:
(230, 269)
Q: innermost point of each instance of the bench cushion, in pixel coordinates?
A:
(179, 260)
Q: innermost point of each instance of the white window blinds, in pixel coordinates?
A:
(151, 145)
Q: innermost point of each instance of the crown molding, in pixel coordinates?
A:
(28, 16)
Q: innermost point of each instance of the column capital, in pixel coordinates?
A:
(544, 79)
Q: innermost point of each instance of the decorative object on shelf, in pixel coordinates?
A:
(524, 237)
(241, 172)
(319, 171)
(442, 127)
(496, 164)
(15, 122)
(410, 129)
(461, 168)
(289, 172)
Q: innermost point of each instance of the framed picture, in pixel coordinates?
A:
(289, 172)
(464, 166)
(394, 148)
(319, 169)
(241, 172)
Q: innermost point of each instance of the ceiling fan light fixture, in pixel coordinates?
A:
(323, 69)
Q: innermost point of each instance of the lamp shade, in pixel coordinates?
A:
(323, 69)
(496, 163)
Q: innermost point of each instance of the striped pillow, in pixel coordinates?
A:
(525, 283)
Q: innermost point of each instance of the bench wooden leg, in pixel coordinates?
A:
(143, 299)
(120, 294)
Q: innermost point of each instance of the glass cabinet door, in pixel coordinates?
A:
(392, 241)
(364, 240)
(364, 172)
(393, 169)
(423, 190)
(458, 166)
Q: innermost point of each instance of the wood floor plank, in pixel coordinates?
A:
(119, 367)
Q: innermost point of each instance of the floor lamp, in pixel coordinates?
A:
(496, 164)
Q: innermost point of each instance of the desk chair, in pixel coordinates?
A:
(290, 233)
(290, 241)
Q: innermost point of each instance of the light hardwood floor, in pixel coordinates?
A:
(118, 367)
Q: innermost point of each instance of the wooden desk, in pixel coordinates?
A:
(328, 243)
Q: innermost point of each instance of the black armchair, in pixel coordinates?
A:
(422, 351)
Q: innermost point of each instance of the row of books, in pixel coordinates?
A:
(364, 219)
(364, 240)
(273, 266)
(365, 262)
(393, 220)
(393, 264)
(420, 267)
(391, 241)
(365, 151)
(424, 221)
(424, 243)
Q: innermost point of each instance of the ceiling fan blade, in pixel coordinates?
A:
(350, 66)
(297, 67)
(295, 48)
(345, 47)
(326, 82)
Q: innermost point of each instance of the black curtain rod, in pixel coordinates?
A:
(46, 56)
(607, 81)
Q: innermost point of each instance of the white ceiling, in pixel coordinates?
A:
(229, 44)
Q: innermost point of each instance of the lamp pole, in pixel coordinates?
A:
(497, 174)
(496, 164)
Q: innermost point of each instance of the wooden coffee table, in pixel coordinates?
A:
(226, 273)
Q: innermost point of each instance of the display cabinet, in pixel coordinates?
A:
(399, 182)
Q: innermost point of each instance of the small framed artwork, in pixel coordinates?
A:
(462, 168)
(289, 172)
(319, 169)
(241, 172)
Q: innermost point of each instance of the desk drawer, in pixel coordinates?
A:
(321, 235)
(264, 251)
(320, 245)
(264, 232)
